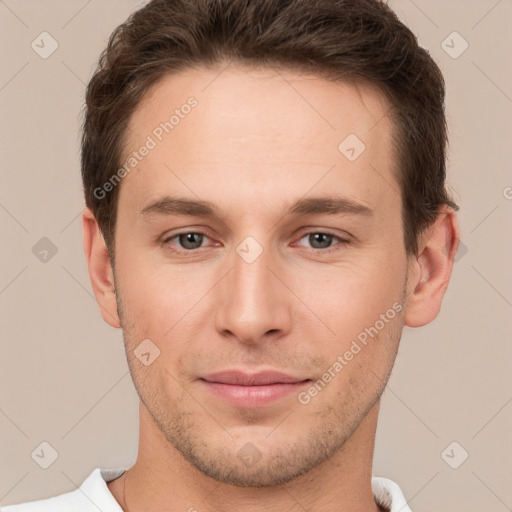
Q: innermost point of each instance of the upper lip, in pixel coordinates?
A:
(240, 378)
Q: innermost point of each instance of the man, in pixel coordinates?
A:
(266, 210)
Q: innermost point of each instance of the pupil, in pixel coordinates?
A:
(322, 238)
(187, 240)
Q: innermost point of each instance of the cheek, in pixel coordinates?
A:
(350, 298)
(335, 301)
(159, 298)
(143, 283)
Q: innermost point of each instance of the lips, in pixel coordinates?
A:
(251, 390)
(251, 379)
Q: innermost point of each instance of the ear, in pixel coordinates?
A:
(100, 268)
(429, 272)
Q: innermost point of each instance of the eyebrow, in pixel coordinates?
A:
(332, 205)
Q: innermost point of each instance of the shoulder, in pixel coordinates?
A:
(92, 495)
(389, 495)
(73, 500)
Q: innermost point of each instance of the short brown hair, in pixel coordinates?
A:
(340, 39)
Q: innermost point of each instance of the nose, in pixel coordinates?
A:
(253, 304)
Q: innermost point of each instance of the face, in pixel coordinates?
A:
(273, 308)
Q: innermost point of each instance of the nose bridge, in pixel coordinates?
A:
(253, 300)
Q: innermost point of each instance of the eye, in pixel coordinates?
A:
(190, 240)
(321, 240)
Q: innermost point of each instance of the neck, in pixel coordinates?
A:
(161, 479)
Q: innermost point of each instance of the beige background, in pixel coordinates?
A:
(64, 377)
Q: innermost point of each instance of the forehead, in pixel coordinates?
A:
(266, 129)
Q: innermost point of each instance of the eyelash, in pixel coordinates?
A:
(341, 241)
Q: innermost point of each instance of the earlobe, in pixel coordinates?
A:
(100, 268)
(430, 273)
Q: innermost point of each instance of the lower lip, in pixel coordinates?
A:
(254, 396)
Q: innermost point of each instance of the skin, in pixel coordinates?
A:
(252, 147)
